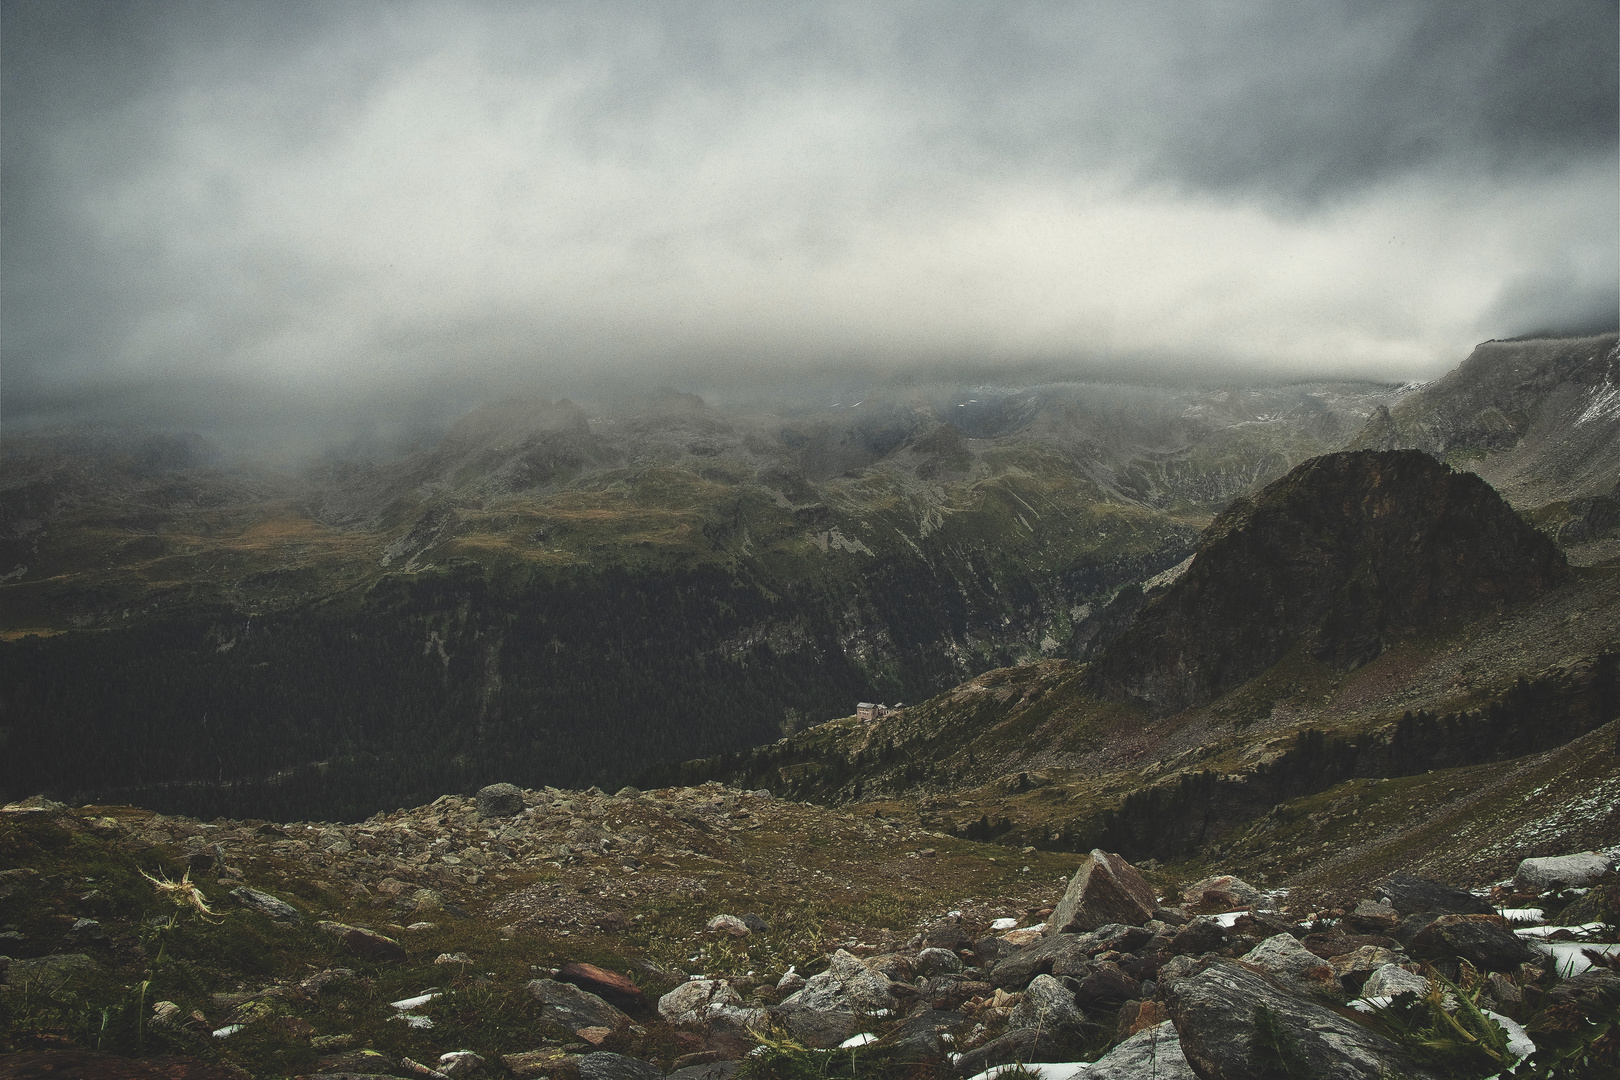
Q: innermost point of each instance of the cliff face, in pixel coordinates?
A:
(1341, 555)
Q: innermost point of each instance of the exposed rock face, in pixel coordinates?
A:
(1344, 553)
(1216, 1012)
(1106, 889)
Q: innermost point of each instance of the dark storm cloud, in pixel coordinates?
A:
(209, 205)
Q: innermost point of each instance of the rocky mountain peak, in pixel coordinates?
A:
(1339, 556)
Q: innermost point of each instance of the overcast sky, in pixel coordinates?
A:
(210, 203)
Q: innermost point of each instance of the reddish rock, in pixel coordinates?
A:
(1139, 1015)
(608, 985)
(372, 946)
(1106, 889)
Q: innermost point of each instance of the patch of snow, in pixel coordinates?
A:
(1228, 919)
(1567, 955)
(1521, 914)
(1520, 1045)
(411, 1020)
(1004, 924)
(228, 1029)
(407, 1004)
(1605, 403)
(1549, 931)
(1045, 1070)
(858, 1040)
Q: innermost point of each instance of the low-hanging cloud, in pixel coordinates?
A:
(325, 200)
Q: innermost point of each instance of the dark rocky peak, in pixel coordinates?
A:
(1339, 556)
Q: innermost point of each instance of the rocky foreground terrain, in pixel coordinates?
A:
(706, 932)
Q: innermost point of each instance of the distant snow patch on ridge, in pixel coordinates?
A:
(1605, 404)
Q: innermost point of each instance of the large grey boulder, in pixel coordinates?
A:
(1106, 889)
(1218, 1015)
(570, 1007)
(1047, 1003)
(846, 986)
(691, 1002)
(499, 800)
(1153, 1053)
(1560, 872)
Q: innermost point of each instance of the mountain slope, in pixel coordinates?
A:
(1488, 648)
(1341, 555)
(554, 594)
(1538, 419)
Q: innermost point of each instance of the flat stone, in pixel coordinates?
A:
(608, 985)
(1215, 1013)
(567, 1006)
(606, 1065)
(1106, 889)
(270, 907)
(1409, 895)
(1154, 1053)
(1560, 872)
(1198, 937)
(818, 1029)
